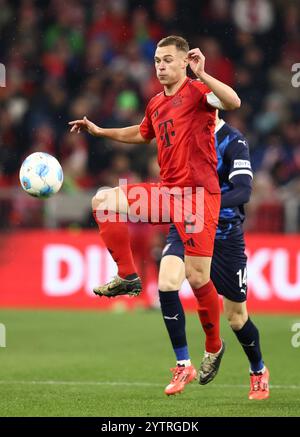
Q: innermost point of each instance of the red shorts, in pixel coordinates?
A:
(194, 212)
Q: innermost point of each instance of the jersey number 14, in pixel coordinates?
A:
(242, 274)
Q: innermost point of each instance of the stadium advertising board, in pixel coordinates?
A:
(58, 269)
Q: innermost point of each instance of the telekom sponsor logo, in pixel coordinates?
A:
(269, 272)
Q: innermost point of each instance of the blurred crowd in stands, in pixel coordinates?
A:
(66, 59)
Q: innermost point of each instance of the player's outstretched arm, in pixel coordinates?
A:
(227, 96)
(129, 134)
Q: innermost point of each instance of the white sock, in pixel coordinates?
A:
(260, 371)
(184, 363)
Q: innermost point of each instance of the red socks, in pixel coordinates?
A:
(209, 314)
(116, 238)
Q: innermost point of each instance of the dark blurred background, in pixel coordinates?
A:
(66, 59)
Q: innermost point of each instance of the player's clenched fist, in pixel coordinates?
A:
(84, 124)
(196, 61)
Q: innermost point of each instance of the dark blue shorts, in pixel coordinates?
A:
(228, 267)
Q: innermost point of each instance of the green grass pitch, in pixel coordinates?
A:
(105, 364)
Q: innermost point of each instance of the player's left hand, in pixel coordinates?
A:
(196, 61)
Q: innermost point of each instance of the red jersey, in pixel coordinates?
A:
(183, 125)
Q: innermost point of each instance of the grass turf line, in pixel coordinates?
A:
(128, 356)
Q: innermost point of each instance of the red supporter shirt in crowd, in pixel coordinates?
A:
(183, 125)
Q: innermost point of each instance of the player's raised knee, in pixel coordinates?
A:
(100, 200)
(95, 203)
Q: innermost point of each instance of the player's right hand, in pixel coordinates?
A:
(84, 124)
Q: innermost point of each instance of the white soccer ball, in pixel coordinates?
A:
(41, 175)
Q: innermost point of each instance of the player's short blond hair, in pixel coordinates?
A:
(174, 40)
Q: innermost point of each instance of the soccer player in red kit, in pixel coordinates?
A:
(182, 119)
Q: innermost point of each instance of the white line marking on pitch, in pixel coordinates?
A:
(135, 384)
